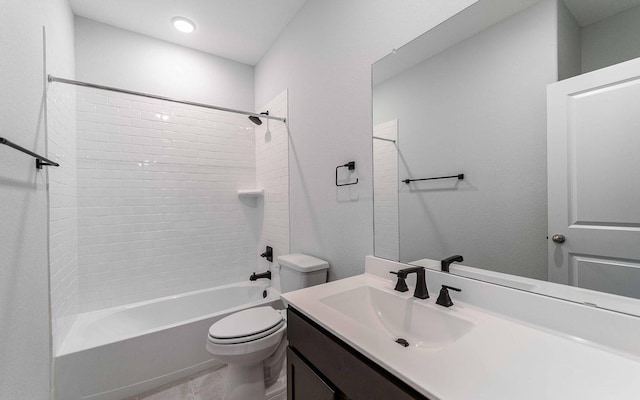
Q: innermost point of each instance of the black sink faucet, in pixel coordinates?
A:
(421, 291)
(444, 299)
(447, 261)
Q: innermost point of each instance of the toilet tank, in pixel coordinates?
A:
(298, 271)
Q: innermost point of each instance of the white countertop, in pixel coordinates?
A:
(501, 358)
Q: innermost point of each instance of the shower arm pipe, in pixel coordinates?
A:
(52, 78)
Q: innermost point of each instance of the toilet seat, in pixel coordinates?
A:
(248, 338)
(246, 326)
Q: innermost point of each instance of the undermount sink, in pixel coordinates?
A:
(418, 323)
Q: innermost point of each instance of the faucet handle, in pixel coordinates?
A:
(401, 284)
(268, 254)
(444, 299)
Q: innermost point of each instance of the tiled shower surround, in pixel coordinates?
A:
(272, 174)
(158, 209)
(63, 210)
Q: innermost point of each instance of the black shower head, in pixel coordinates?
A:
(257, 120)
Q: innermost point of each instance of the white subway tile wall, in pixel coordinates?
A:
(385, 196)
(158, 211)
(272, 171)
(63, 214)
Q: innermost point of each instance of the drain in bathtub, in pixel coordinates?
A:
(264, 294)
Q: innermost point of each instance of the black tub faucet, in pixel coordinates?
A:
(447, 261)
(255, 277)
(268, 254)
(421, 291)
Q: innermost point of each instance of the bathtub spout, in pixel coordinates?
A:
(255, 277)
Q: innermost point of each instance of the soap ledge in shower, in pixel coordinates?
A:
(251, 193)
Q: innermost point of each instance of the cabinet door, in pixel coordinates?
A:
(354, 376)
(303, 383)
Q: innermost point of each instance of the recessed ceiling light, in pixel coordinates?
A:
(183, 24)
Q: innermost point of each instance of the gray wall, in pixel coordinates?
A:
(612, 40)
(324, 58)
(478, 108)
(569, 43)
(25, 351)
(116, 57)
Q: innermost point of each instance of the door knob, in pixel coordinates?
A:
(558, 238)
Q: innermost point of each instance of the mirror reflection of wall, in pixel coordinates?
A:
(606, 38)
(385, 180)
(457, 115)
(478, 107)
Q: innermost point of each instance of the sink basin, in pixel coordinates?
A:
(418, 323)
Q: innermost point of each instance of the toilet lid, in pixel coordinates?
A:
(246, 323)
(250, 338)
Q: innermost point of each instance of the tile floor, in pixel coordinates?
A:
(208, 385)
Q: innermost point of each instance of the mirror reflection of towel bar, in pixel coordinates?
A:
(385, 139)
(459, 176)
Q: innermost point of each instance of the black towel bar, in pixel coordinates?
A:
(40, 161)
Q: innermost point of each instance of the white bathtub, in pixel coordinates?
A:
(122, 351)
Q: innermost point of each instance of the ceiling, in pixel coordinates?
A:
(240, 30)
(587, 12)
(243, 30)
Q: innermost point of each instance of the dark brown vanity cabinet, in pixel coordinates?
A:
(304, 382)
(322, 367)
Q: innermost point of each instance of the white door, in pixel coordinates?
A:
(594, 180)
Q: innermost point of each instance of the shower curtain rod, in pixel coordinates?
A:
(52, 78)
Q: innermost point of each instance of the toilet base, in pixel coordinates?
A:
(249, 384)
(245, 382)
(278, 387)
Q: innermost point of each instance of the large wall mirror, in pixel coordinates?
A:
(508, 135)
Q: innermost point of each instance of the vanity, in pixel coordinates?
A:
(494, 343)
(321, 366)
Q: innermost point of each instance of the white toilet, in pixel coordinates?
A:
(253, 341)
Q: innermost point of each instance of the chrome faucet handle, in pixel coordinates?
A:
(401, 284)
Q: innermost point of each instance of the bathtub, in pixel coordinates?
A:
(119, 352)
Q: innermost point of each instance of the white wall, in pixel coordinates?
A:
(478, 108)
(120, 58)
(24, 282)
(324, 58)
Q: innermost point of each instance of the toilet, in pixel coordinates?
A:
(253, 341)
